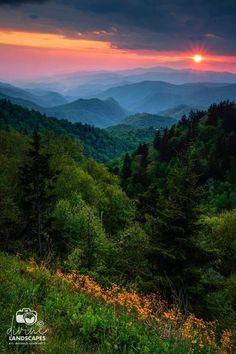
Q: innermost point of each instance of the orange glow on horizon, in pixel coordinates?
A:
(60, 42)
(46, 40)
(46, 54)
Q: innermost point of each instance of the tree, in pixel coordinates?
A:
(131, 252)
(79, 230)
(140, 178)
(117, 210)
(175, 255)
(36, 181)
(126, 171)
(157, 140)
(220, 236)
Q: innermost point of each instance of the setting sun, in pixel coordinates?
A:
(197, 58)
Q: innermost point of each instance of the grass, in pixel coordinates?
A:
(81, 317)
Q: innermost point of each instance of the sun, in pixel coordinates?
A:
(197, 58)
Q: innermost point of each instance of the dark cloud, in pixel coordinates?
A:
(158, 23)
(34, 16)
(19, 2)
(167, 15)
(137, 24)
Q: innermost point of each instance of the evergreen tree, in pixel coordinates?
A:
(163, 145)
(140, 180)
(143, 152)
(36, 181)
(126, 169)
(176, 257)
(157, 140)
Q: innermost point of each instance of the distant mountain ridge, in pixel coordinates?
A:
(100, 144)
(112, 106)
(89, 84)
(20, 101)
(177, 112)
(156, 96)
(44, 99)
(146, 120)
(100, 113)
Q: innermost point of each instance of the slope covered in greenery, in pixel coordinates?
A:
(133, 136)
(80, 317)
(179, 111)
(185, 185)
(97, 143)
(146, 120)
(34, 97)
(20, 101)
(101, 113)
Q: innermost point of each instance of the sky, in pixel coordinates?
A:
(40, 38)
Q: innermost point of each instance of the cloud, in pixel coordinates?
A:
(34, 16)
(19, 2)
(165, 24)
(134, 24)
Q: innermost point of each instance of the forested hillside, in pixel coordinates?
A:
(132, 135)
(97, 143)
(184, 184)
(101, 113)
(146, 120)
(164, 226)
(34, 98)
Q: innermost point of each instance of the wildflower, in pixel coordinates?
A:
(226, 341)
(170, 323)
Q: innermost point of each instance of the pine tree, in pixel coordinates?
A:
(140, 179)
(36, 199)
(176, 257)
(157, 140)
(126, 169)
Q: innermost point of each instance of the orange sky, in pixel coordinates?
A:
(30, 55)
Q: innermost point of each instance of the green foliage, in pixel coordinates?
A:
(36, 184)
(61, 206)
(77, 322)
(133, 135)
(175, 255)
(221, 236)
(147, 120)
(79, 227)
(132, 266)
(181, 184)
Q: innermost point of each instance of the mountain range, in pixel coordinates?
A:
(89, 83)
(100, 144)
(37, 97)
(101, 113)
(117, 98)
(155, 96)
